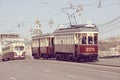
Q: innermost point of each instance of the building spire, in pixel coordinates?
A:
(37, 25)
(37, 30)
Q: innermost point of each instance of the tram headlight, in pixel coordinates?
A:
(15, 54)
(23, 53)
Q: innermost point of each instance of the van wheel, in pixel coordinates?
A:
(3, 60)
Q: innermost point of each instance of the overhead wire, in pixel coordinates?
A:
(113, 20)
(110, 30)
(115, 25)
(89, 4)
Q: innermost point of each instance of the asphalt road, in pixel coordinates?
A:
(55, 70)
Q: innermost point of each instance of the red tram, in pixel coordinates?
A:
(43, 46)
(76, 43)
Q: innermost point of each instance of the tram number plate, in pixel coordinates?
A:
(90, 49)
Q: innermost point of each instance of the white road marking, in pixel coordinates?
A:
(64, 65)
(4, 62)
(15, 64)
(29, 67)
(13, 78)
(47, 71)
(71, 76)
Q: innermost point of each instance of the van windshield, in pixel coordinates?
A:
(19, 48)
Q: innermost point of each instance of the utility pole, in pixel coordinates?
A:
(51, 22)
(99, 5)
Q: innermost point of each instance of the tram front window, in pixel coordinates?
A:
(95, 39)
(84, 40)
(90, 40)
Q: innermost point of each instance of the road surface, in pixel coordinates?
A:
(55, 70)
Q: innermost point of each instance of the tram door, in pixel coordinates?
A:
(39, 52)
(51, 46)
(77, 43)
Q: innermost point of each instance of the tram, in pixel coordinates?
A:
(74, 43)
(78, 42)
(43, 46)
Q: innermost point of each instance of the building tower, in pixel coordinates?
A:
(37, 25)
(37, 30)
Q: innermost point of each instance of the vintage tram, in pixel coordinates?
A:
(12, 51)
(43, 46)
(74, 43)
(79, 42)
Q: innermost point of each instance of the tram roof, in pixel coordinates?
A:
(44, 35)
(78, 28)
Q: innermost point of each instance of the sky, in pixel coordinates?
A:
(19, 16)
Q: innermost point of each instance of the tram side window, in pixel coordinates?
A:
(6, 48)
(36, 43)
(33, 43)
(51, 41)
(84, 40)
(90, 41)
(79, 38)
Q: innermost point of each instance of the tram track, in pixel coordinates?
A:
(102, 64)
(108, 57)
(97, 65)
(91, 65)
(109, 65)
